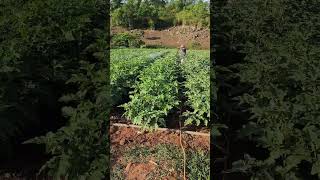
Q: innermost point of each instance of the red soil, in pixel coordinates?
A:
(124, 137)
(121, 136)
(174, 36)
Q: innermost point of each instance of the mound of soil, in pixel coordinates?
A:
(173, 36)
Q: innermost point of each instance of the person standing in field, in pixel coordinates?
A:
(182, 53)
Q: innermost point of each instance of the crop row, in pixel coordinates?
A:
(155, 94)
(126, 65)
(196, 70)
(151, 80)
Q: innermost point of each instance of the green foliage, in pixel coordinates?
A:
(157, 14)
(126, 40)
(282, 64)
(135, 14)
(126, 65)
(152, 74)
(194, 45)
(168, 157)
(198, 165)
(154, 95)
(79, 148)
(197, 72)
(195, 14)
(50, 48)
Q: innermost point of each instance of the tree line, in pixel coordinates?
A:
(155, 14)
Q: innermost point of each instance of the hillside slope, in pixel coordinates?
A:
(173, 36)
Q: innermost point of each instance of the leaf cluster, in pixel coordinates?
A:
(154, 95)
(196, 70)
(279, 39)
(53, 50)
(126, 65)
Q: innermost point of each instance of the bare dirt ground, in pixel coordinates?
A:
(123, 138)
(173, 36)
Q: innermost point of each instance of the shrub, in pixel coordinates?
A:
(126, 40)
(195, 14)
(281, 64)
(49, 49)
(194, 45)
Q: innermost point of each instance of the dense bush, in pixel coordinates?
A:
(126, 40)
(281, 64)
(53, 50)
(195, 14)
(135, 14)
(159, 14)
(198, 165)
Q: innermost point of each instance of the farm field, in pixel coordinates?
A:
(151, 89)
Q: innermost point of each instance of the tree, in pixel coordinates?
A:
(115, 4)
(195, 14)
(159, 13)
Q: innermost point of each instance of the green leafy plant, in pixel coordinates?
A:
(281, 64)
(57, 50)
(126, 40)
(154, 95)
(154, 82)
(196, 14)
(197, 72)
(198, 165)
(126, 65)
